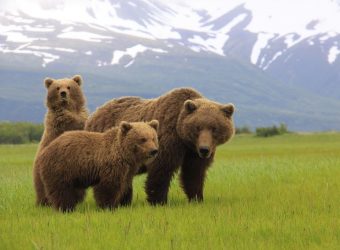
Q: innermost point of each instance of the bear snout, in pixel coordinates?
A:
(153, 152)
(63, 94)
(204, 151)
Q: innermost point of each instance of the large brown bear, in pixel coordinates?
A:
(191, 127)
(65, 111)
(108, 161)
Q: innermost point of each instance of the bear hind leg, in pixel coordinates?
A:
(107, 195)
(126, 197)
(66, 199)
(41, 197)
(80, 194)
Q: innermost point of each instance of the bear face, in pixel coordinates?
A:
(203, 125)
(65, 93)
(141, 139)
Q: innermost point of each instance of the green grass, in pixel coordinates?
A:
(262, 193)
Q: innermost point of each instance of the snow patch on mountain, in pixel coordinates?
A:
(212, 44)
(261, 42)
(18, 37)
(50, 48)
(333, 53)
(46, 57)
(327, 36)
(19, 19)
(217, 39)
(292, 39)
(132, 52)
(85, 36)
(277, 54)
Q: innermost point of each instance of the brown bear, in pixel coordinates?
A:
(191, 127)
(107, 161)
(65, 111)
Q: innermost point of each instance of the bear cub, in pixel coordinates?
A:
(107, 161)
(66, 111)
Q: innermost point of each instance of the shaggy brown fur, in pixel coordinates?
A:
(65, 111)
(108, 161)
(191, 127)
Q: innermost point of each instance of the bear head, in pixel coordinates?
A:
(203, 125)
(141, 139)
(65, 93)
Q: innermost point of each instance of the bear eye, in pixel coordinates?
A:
(58, 88)
(68, 87)
(213, 129)
(198, 128)
(143, 140)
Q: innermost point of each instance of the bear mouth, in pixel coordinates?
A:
(64, 100)
(204, 155)
(149, 159)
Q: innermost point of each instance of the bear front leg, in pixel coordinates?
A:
(107, 195)
(41, 197)
(192, 175)
(126, 198)
(157, 185)
(66, 120)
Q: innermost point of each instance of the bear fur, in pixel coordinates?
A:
(66, 111)
(107, 161)
(191, 127)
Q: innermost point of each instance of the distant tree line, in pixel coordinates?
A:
(27, 132)
(264, 131)
(20, 132)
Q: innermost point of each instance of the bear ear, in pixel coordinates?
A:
(190, 106)
(125, 127)
(228, 109)
(78, 79)
(154, 124)
(48, 82)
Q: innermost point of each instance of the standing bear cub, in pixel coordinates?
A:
(107, 161)
(65, 111)
(191, 127)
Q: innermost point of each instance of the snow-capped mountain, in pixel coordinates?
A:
(292, 46)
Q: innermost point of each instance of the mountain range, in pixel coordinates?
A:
(277, 61)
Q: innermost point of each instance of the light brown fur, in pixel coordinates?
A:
(191, 127)
(66, 111)
(107, 161)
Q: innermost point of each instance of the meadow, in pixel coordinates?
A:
(281, 192)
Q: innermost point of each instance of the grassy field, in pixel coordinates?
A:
(262, 193)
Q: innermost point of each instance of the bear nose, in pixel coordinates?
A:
(154, 152)
(204, 150)
(63, 94)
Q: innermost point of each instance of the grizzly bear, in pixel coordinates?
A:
(65, 111)
(191, 127)
(107, 161)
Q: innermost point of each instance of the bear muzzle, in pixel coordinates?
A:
(204, 144)
(64, 97)
(151, 156)
(204, 152)
(153, 153)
